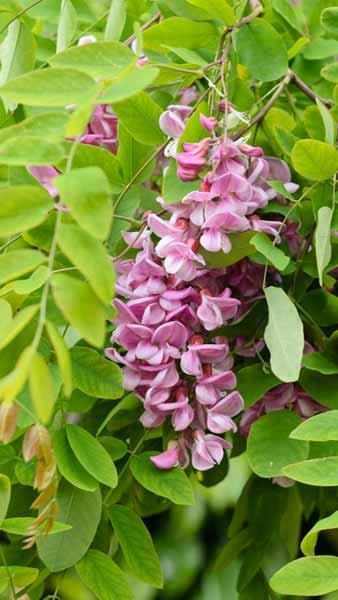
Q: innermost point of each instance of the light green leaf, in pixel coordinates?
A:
(50, 87)
(17, 52)
(180, 32)
(82, 511)
(288, 12)
(317, 361)
(137, 545)
(266, 247)
(5, 496)
(63, 357)
(319, 428)
(52, 124)
(79, 119)
(232, 549)
(280, 188)
(89, 256)
(66, 26)
(41, 388)
(116, 20)
(269, 446)
(317, 471)
(128, 84)
(68, 465)
(22, 525)
(172, 484)
(21, 319)
(329, 19)
(284, 335)
(15, 263)
(92, 456)
(12, 384)
(261, 50)
(22, 207)
(93, 156)
(81, 307)
(174, 189)
(140, 116)
(86, 192)
(5, 316)
(32, 283)
(323, 240)
(297, 47)
(103, 577)
(329, 124)
(105, 60)
(240, 247)
(217, 9)
(95, 375)
(263, 383)
(309, 576)
(320, 48)
(126, 208)
(30, 150)
(21, 576)
(189, 56)
(330, 72)
(309, 541)
(115, 447)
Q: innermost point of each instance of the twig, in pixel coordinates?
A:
(261, 114)
(255, 13)
(19, 14)
(306, 90)
(151, 21)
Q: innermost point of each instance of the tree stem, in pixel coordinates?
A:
(307, 90)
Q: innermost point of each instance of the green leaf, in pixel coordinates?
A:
(62, 356)
(330, 72)
(116, 448)
(314, 160)
(82, 511)
(17, 51)
(232, 549)
(22, 207)
(319, 428)
(21, 576)
(284, 335)
(297, 47)
(317, 471)
(288, 12)
(323, 240)
(92, 456)
(317, 361)
(68, 465)
(50, 87)
(280, 188)
(129, 83)
(329, 124)
(66, 26)
(5, 316)
(266, 247)
(102, 59)
(177, 31)
(81, 307)
(137, 545)
(323, 388)
(93, 156)
(30, 150)
(140, 116)
(321, 306)
(22, 525)
(261, 49)
(32, 283)
(320, 48)
(174, 189)
(87, 193)
(15, 263)
(52, 124)
(217, 9)
(309, 541)
(41, 388)
(253, 383)
(5, 496)
(21, 319)
(172, 484)
(240, 247)
(116, 20)
(269, 446)
(309, 576)
(103, 577)
(329, 19)
(89, 256)
(95, 375)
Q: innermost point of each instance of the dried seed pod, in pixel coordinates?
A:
(8, 419)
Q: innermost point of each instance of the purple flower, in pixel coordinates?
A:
(45, 176)
(172, 121)
(215, 311)
(209, 123)
(210, 389)
(219, 416)
(192, 160)
(207, 450)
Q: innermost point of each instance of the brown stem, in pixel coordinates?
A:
(255, 13)
(308, 91)
(261, 114)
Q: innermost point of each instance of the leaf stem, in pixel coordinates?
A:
(19, 14)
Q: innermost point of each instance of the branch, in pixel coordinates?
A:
(255, 13)
(308, 91)
(261, 114)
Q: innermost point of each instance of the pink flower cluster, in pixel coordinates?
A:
(284, 396)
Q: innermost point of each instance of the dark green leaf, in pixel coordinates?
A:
(95, 375)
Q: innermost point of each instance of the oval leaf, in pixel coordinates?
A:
(95, 375)
(103, 577)
(314, 160)
(68, 465)
(92, 456)
(309, 576)
(318, 471)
